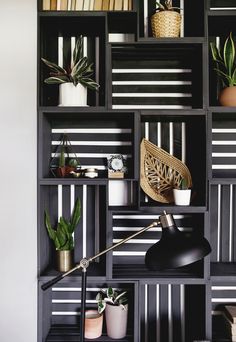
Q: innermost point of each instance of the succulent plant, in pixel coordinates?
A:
(112, 297)
(225, 61)
(183, 184)
(62, 236)
(78, 71)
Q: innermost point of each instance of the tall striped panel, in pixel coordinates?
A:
(224, 146)
(164, 310)
(223, 222)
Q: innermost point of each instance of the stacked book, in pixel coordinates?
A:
(87, 5)
(230, 319)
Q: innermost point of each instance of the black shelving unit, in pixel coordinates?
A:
(164, 90)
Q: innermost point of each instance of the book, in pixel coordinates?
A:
(125, 5)
(105, 5)
(79, 5)
(73, 5)
(118, 5)
(53, 5)
(91, 5)
(58, 5)
(46, 5)
(230, 312)
(130, 5)
(86, 5)
(64, 4)
(98, 5)
(111, 5)
(69, 5)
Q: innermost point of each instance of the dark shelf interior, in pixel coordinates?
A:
(223, 269)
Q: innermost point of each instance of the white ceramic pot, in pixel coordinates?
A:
(116, 320)
(93, 324)
(70, 95)
(182, 197)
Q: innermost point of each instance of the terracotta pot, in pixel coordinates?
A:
(70, 95)
(64, 260)
(93, 324)
(64, 171)
(182, 197)
(227, 97)
(116, 320)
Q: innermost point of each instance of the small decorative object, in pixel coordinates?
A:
(182, 195)
(166, 21)
(62, 165)
(160, 172)
(93, 324)
(116, 164)
(74, 79)
(63, 238)
(90, 172)
(226, 70)
(115, 305)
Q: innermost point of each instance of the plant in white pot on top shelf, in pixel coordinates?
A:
(63, 237)
(182, 195)
(115, 305)
(225, 61)
(73, 79)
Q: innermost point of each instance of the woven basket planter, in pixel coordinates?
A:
(161, 172)
(166, 24)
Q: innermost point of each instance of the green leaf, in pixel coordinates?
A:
(78, 50)
(56, 68)
(160, 5)
(229, 54)
(61, 235)
(75, 215)
(216, 53)
(51, 231)
(57, 80)
(89, 83)
(110, 292)
(118, 298)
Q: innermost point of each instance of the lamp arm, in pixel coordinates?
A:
(84, 263)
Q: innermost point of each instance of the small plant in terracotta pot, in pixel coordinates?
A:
(182, 195)
(93, 324)
(115, 305)
(226, 70)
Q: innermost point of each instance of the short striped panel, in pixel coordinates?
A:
(165, 313)
(222, 5)
(224, 147)
(223, 222)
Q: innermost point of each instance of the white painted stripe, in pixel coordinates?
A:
(182, 12)
(129, 253)
(85, 46)
(150, 71)
(150, 107)
(171, 138)
(140, 217)
(158, 323)
(59, 203)
(65, 313)
(95, 143)
(151, 95)
(224, 130)
(183, 142)
(99, 167)
(139, 241)
(224, 154)
(151, 83)
(84, 220)
(92, 130)
(155, 229)
(219, 223)
(74, 289)
(72, 301)
(159, 134)
(223, 288)
(60, 51)
(223, 300)
(182, 311)
(222, 8)
(231, 224)
(224, 142)
(170, 320)
(89, 155)
(146, 311)
(145, 18)
(223, 167)
(72, 197)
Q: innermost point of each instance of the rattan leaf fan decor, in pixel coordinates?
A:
(160, 172)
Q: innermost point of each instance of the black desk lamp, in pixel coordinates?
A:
(173, 250)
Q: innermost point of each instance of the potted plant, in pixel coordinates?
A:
(182, 195)
(166, 21)
(226, 70)
(93, 324)
(61, 164)
(115, 305)
(63, 237)
(74, 79)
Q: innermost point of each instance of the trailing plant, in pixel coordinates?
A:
(167, 6)
(112, 297)
(79, 70)
(225, 61)
(62, 236)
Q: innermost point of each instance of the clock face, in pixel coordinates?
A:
(117, 164)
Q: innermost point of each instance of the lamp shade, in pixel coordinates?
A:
(175, 249)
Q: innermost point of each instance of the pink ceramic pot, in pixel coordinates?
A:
(93, 324)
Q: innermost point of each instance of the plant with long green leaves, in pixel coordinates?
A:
(62, 236)
(225, 61)
(112, 297)
(167, 6)
(79, 70)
